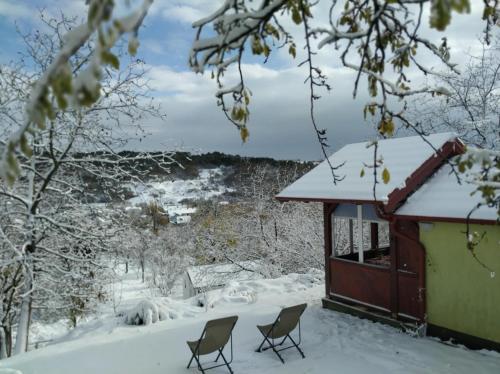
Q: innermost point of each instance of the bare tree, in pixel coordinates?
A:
(168, 259)
(47, 232)
(472, 108)
(60, 86)
(283, 238)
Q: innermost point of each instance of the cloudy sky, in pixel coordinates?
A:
(279, 123)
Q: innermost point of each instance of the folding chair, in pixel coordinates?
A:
(285, 323)
(214, 338)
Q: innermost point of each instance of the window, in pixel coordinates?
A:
(375, 240)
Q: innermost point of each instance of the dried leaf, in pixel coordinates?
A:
(244, 133)
(386, 176)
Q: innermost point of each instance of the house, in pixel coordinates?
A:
(203, 278)
(179, 214)
(180, 219)
(423, 274)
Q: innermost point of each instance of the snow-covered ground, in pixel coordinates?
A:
(332, 342)
(170, 193)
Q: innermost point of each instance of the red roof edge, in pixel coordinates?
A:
(418, 177)
(285, 199)
(478, 221)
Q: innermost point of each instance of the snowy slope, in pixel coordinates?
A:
(172, 192)
(332, 342)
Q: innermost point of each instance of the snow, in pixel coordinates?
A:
(170, 193)
(331, 341)
(442, 197)
(144, 313)
(401, 156)
(214, 275)
(179, 210)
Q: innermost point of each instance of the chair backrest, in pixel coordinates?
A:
(287, 320)
(216, 334)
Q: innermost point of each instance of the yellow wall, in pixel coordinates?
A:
(461, 294)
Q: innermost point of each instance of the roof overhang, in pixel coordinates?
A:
(396, 198)
(418, 177)
(477, 221)
(326, 200)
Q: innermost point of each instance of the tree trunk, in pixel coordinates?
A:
(28, 269)
(142, 270)
(8, 339)
(3, 335)
(24, 314)
(3, 343)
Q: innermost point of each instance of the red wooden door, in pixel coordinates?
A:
(410, 268)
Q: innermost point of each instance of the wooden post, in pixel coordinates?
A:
(333, 238)
(361, 254)
(328, 209)
(374, 235)
(394, 269)
(351, 237)
(328, 244)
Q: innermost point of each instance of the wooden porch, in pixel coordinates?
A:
(386, 280)
(360, 311)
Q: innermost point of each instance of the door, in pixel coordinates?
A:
(410, 271)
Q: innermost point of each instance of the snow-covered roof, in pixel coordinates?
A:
(215, 275)
(179, 210)
(442, 197)
(401, 156)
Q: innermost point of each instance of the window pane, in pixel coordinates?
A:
(366, 235)
(340, 237)
(383, 234)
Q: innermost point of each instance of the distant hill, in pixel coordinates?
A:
(235, 171)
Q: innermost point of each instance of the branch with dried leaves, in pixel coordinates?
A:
(57, 82)
(369, 35)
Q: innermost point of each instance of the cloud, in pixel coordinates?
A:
(14, 10)
(279, 122)
(166, 81)
(183, 14)
(186, 11)
(154, 46)
(28, 12)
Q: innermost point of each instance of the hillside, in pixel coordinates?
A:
(226, 172)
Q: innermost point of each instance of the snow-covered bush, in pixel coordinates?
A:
(145, 313)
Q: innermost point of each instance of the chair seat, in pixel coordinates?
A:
(276, 333)
(207, 346)
(265, 328)
(192, 345)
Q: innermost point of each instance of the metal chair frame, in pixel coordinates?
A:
(273, 346)
(196, 355)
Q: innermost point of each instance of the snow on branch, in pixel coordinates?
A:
(84, 89)
(380, 40)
